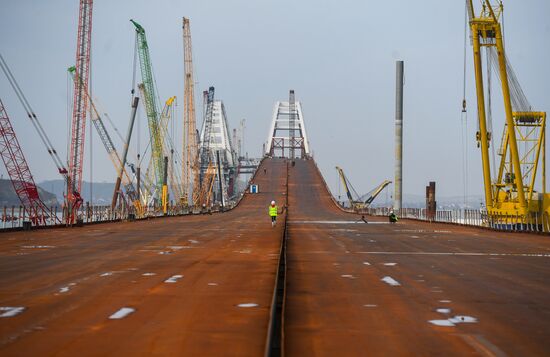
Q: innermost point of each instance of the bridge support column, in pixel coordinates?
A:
(398, 182)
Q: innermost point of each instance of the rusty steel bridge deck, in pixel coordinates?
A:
(205, 285)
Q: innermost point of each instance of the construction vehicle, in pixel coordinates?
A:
(513, 198)
(12, 154)
(356, 201)
(97, 120)
(80, 110)
(191, 167)
(168, 150)
(167, 117)
(72, 176)
(20, 174)
(149, 95)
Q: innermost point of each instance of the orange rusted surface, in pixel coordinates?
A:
(70, 281)
(490, 288)
(337, 304)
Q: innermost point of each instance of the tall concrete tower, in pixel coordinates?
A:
(398, 182)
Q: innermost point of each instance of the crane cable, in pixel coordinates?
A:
(32, 116)
(464, 114)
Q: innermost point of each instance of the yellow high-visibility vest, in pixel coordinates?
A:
(273, 211)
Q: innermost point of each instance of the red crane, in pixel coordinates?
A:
(80, 108)
(19, 171)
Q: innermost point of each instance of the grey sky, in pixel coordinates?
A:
(339, 56)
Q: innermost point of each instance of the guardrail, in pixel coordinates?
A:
(533, 222)
(18, 218)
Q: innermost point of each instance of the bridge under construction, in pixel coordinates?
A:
(185, 260)
(322, 282)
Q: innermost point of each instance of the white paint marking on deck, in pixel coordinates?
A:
(173, 279)
(64, 289)
(463, 319)
(390, 264)
(443, 310)
(445, 301)
(366, 263)
(445, 323)
(122, 313)
(415, 237)
(390, 281)
(107, 273)
(248, 304)
(165, 253)
(349, 276)
(192, 241)
(410, 230)
(453, 321)
(176, 247)
(11, 311)
(467, 254)
(149, 274)
(335, 222)
(37, 246)
(370, 305)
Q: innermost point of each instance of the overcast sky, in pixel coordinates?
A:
(339, 57)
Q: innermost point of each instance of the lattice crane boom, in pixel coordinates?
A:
(19, 172)
(190, 145)
(80, 107)
(151, 107)
(97, 121)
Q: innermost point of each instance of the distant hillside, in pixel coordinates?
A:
(102, 191)
(9, 198)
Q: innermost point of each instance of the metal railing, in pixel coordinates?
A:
(15, 217)
(532, 222)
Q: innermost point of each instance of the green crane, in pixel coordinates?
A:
(150, 95)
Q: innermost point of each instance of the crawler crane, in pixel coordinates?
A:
(190, 163)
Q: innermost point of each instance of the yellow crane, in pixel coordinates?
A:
(168, 151)
(511, 197)
(190, 163)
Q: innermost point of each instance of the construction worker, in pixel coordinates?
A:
(273, 211)
(392, 217)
